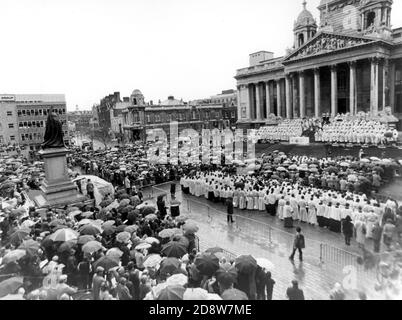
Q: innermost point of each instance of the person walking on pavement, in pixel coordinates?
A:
(298, 244)
(294, 293)
(347, 228)
(377, 234)
(229, 205)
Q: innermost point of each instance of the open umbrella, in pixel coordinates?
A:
(172, 293)
(142, 246)
(151, 240)
(152, 261)
(131, 229)
(181, 218)
(168, 233)
(108, 223)
(14, 255)
(91, 247)
(123, 237)
(226, 276)
(190, 227)
(64, 235)
(207, 264)
(151, 217)
(10, 285)
(106, 263)
(65, 247)
(85, 238)
(89, 229)
(195, 294)
(30, 246)
(178, 279)
(169, 266)
(174, 249)
(265, 263)
(108, 229)
(245, 264)
(27, 224)
(121, 228)
(19, 235)
(234, 294)
(87, 214)
(114, 253)
(85, 221)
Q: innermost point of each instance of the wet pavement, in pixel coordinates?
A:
(326, 258)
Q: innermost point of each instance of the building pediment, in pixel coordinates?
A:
(326, 42)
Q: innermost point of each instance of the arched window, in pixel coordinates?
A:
(301, 39)
(370, 19)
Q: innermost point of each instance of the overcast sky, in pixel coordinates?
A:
(191, 49)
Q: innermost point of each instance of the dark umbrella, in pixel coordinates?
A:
(121, 228)
(174, 249)
(245, 264)
(234, 294)
(207, 264)
(169, 266)
(10, 285)
(172, 293)
(47, 242)
(85, 238)
(109, 229)
(89, 229)
(226, 276)
(105, 262)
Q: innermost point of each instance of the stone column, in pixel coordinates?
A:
(392, 85)
(278, 97)
(239, 103)
(302, 95)
(374, 86)
(248, 100)
(385, 84)
(317, 92)
(268, 98)
(352, 89)
(288, 98)
(294, 95)
(257, 101)
(334, 91)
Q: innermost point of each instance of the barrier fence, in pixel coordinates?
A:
(258, 231)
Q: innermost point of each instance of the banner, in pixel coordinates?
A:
(302, 141)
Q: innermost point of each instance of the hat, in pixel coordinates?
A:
(63, 277)
(55, 258)
(100, 269)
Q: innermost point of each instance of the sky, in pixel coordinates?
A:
(190, 49)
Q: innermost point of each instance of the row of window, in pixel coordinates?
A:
(182, 116)
(12, 138)
(35, 124)
(39, 112)
(34, 136)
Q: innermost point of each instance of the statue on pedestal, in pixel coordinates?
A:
(54, 132)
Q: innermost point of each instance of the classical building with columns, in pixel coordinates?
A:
(351, 61)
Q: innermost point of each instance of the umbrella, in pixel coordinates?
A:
(281, 169)
(65, 247)
(85, 221)
(151, 240)
(181, 218)
(123, 237)
(172, 293)
(30, 246)
(265, 263)
(19, 235)
(142, 246)
(245, 264)
(64, 235)
(56, 223)
(293, 167)
(168, 233)
(190, 227)
(152, 261)
(207, 264)
(177, 280)
(121, 228)
(75, 213)
(114, 253)
(87, 214)
(151, 217)
(89, 229)
(108, 223)
(227, 276)
(85, 238)
(169, 266)
(234, 294)
(46, 242)
(106, 263)
(14, 255)
(27, 224)
(344, 164)
(195, 294)
(10, 285)
(131, 229)
(92, 246)
(174, 249)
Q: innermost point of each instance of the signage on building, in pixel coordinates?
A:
(7, 98)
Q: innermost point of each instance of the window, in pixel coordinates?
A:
(233, 114)
(148, 118)
(194, 115)
(28, 113)
(25, 124)
(24, 113)
(19, 113)
(21, 124)
(206, 114)
(1, 139)
(9, 113)
(11, 125)
(12, 138)
(40, 112)
(22, 137)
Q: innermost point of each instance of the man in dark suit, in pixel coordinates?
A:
(298, 244)
(229, 205)
(294, 293)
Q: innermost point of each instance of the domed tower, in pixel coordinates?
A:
(376, 17)
(305, 27)
(137, 98)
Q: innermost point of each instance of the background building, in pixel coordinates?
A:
(23, 117)
(81, 118)
(349, 62)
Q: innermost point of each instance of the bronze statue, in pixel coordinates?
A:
(54, 132)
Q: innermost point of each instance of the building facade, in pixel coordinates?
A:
(81, 118)
(8, 120)
(350, 62)
(26, 116)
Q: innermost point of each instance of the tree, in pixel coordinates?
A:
(103, 135)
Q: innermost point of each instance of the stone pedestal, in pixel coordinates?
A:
(58, 189)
